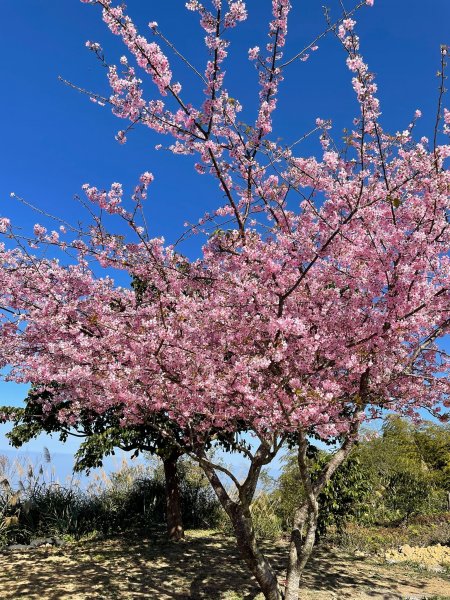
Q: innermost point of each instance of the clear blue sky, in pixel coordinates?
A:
(54, 139)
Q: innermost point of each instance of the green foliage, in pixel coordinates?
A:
(407, 493)
(341, 499)
(387, 479)
(408, 469)
(433, 443)
(344, 496)
(267, 523)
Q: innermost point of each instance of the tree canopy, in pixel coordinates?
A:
(317, 302)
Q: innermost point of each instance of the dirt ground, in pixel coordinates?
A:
(205, 566)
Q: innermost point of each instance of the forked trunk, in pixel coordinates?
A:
(304, 530)
(241, 520)
(175, 530)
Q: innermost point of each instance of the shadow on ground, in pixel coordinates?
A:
(205, 566)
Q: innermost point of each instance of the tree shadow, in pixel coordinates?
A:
(331, 572)
(205, 566)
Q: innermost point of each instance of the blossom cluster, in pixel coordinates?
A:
(328, 314)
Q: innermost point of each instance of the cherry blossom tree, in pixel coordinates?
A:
(296, 322)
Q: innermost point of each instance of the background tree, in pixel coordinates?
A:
(407, 468)
(102, 436)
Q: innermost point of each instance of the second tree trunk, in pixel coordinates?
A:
(175, 530)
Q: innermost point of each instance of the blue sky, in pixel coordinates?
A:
(54, 139)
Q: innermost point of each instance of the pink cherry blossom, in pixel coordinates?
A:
(253, 53)
(4, 224)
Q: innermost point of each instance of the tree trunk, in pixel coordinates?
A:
(254, 558)
(300, 548)
(174, 518)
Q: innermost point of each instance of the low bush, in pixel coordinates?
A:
(377, 539)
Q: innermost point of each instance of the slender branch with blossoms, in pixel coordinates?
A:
(227, 148)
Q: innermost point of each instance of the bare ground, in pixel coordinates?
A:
(205, 566)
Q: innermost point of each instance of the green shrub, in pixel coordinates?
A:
(377, 539)
(266, 521)
(343, 498)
